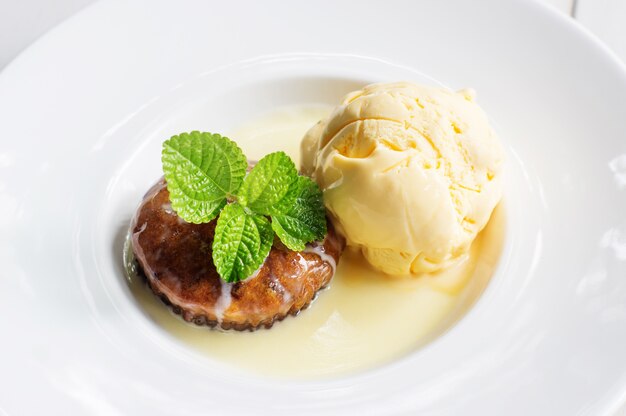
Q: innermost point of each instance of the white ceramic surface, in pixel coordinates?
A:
(605, 19)
(82, 116)
(22, 22)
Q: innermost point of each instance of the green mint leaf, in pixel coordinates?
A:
(281, 227)
(242, 242)
(267, 183)
(300, 217)
(201, 170)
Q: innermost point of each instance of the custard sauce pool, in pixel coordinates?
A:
(364, 319)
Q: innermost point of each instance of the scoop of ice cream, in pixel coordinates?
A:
(410, 173)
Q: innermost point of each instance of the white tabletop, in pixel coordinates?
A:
(23, 21)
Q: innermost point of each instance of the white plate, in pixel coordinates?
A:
(82, 116)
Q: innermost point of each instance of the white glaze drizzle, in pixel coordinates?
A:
(226, 298)
(142, 228)
(223, 302)
(286, 296)
(167, 208)
(304, 265)
(277, 286)
(319, 250)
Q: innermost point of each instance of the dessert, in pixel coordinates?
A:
(175, 257)
(360, 321)
(229, 244)
(410, 174)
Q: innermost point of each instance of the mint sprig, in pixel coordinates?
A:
(268, 183)
(206, 178)
(202, 170)
(300, 217)
(242, 242)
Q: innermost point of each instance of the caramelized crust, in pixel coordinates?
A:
(175, 257)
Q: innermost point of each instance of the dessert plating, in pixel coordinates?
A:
(175, 257)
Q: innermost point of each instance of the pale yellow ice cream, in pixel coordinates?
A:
(410, 173)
